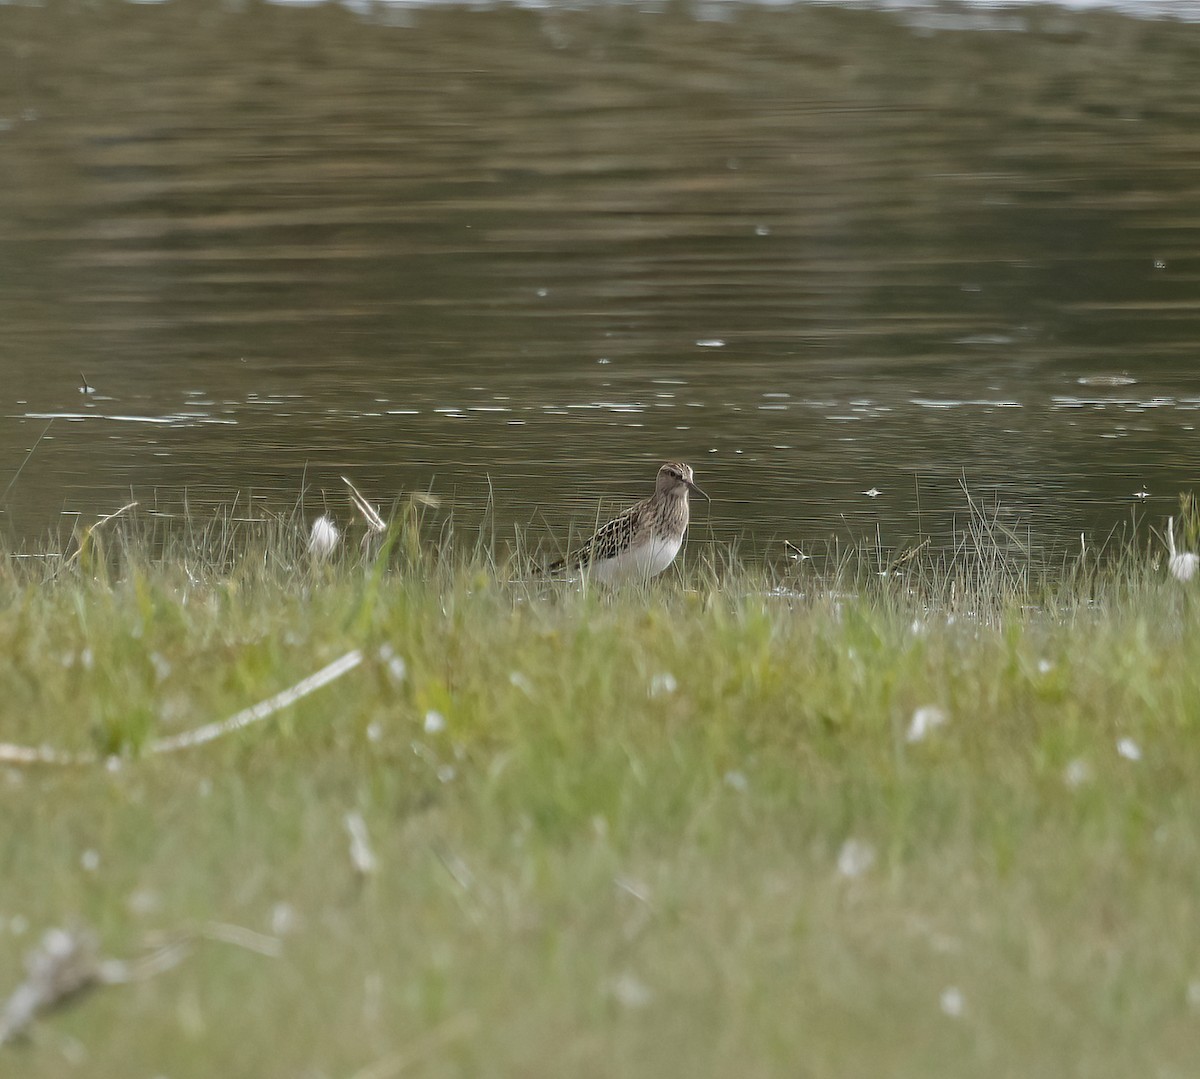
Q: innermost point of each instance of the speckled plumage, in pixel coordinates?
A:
(644, 540)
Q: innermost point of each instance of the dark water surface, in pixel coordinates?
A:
(531, 254)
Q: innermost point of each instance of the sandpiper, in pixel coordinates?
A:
(644, 540)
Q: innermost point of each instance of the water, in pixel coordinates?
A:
(520, 257)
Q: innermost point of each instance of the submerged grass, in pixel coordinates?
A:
(683, 830)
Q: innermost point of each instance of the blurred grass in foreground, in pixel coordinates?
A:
(904, 815)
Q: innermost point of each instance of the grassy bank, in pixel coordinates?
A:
(942, 822)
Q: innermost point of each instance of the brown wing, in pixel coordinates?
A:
(609, 540)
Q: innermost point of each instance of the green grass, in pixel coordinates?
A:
(595, 869)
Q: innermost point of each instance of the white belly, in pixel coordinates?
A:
(638, 563)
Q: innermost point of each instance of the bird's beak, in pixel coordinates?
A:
(696, 490)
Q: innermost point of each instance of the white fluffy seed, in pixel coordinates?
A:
(324, 538)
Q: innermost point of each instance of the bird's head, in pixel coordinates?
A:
(675, 478)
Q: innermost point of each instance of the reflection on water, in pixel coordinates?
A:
(839, 260)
